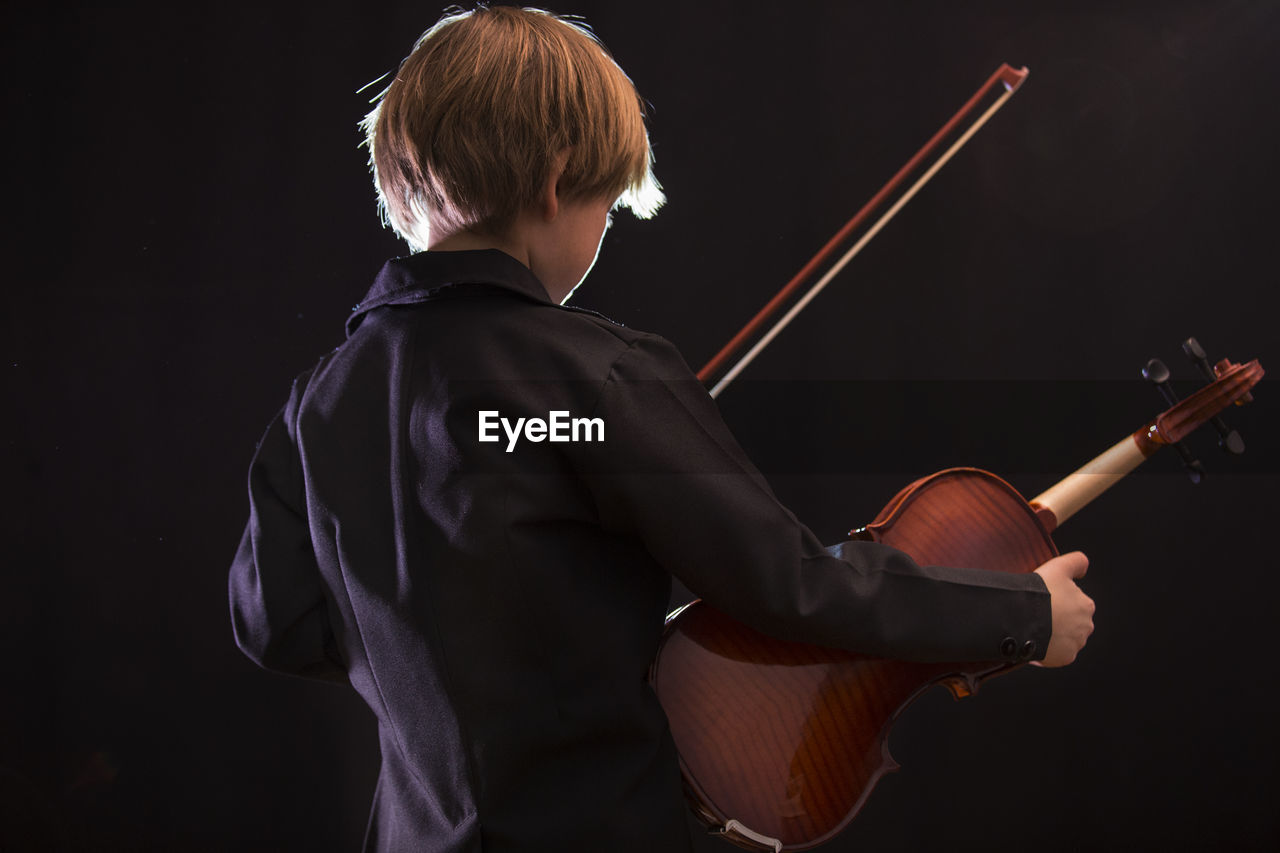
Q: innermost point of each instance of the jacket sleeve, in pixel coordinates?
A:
(279, 612)
(670, 473)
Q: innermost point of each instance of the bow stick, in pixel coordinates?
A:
(1011, 78)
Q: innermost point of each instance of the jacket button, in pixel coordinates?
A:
(1009, 647)
(1028, 649)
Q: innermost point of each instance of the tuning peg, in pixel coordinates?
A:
(1158, 374)
(1228, 439)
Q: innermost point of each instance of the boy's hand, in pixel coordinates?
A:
(1072, 609)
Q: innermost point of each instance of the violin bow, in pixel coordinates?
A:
(1011, 79)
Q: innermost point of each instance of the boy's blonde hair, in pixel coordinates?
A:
(466, 134)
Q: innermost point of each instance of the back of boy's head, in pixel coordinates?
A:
(466, 134)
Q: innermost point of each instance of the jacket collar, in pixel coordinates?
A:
(417, 278)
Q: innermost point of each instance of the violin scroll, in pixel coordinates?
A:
(1232, 385)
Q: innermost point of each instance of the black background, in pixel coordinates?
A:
(191, 220)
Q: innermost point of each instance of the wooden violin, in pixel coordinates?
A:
(781, 743)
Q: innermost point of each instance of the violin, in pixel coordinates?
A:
(781, 743)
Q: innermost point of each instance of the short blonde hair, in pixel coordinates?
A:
(466, 134)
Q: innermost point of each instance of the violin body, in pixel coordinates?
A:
(781, 743)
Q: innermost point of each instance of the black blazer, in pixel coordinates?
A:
(497, 605)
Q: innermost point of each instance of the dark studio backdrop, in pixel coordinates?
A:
(191, 221)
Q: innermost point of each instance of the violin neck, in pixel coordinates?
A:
(1069, 495)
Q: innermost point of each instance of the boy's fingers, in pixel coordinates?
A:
(1076, 564)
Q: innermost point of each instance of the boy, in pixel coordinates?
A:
(425, 525)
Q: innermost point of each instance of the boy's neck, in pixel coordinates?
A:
(466, 241)
(558, 242)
